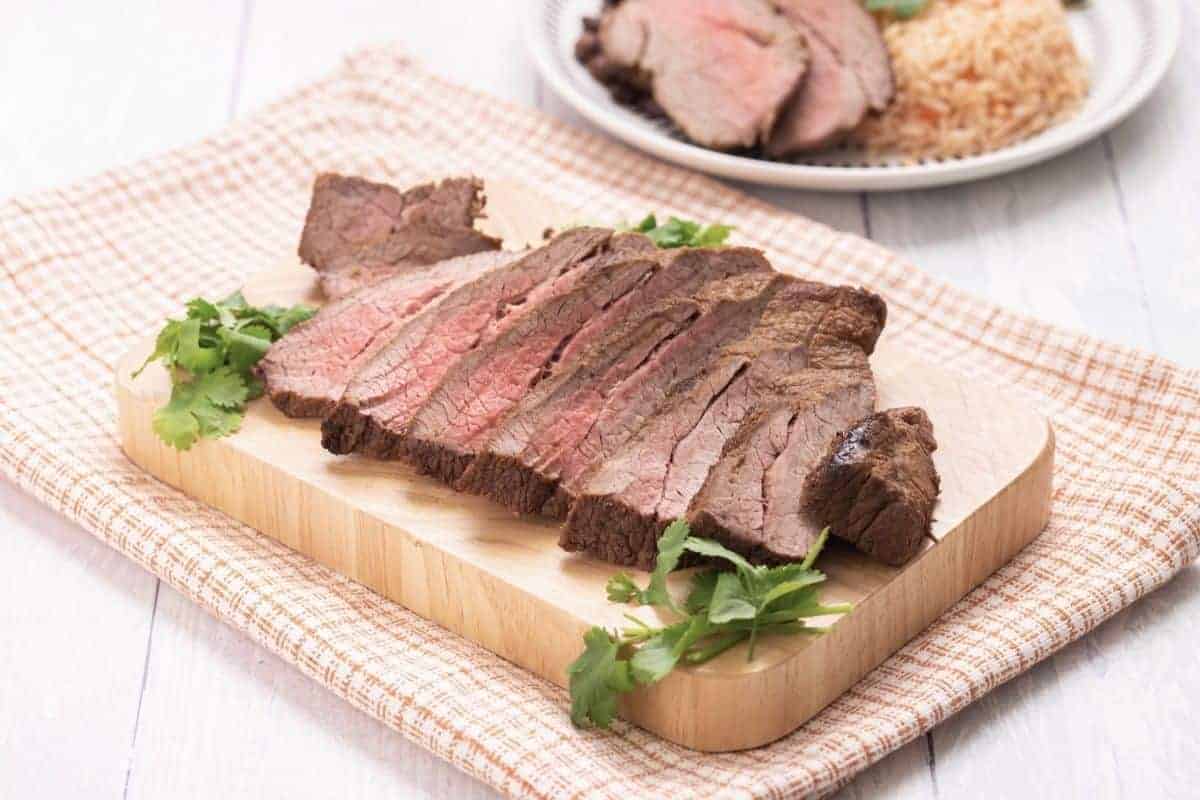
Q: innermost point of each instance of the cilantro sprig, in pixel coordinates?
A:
(723, 609)
(676, 232)
(903, 9)
(210, 355)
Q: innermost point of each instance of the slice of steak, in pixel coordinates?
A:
(516, 459)
(846, 27)
(721, 69)
(849, 73)
(876, 485)
(729, 310)
(624, 503)
(441, 438)
(827, 106)
(358, 232)
(514, 465)
(307, 370)
(750, 500)
(396, 382)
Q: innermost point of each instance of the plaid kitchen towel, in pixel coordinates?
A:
(87, 269)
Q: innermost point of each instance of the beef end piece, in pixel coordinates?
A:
(876, 485)
(720, 69)
(358, 232)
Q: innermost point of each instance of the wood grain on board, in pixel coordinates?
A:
(488, 575)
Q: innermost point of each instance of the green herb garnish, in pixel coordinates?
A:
(209, 355)
(676, 232)
(903, 9)
(723, 609)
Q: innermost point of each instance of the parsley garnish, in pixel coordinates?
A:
(676, 232)
(210, 354)
(722, 609)
(903, 9)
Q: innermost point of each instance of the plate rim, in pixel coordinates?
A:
(1053, 142)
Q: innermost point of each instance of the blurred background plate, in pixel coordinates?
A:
(1127, 45)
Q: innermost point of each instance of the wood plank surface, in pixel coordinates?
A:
(51, 135)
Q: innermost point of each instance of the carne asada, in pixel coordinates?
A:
(785, 75)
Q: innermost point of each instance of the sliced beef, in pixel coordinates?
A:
(876, 485)
(358, 232)
(721, 69)
(522, 459)
(440, 438)
(307, 370)
(828, 105)
(800, 353)
(849, 72)
(851, 32)
(750, 500)
(381, 399)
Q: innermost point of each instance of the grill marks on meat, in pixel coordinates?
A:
(307, 370)
(786, 359)
(608, 374)
(876, 485)
(358, 232)
(393, 386)
(721, 69)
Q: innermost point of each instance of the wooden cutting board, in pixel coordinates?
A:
(501, 580)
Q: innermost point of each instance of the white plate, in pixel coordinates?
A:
(1128, 45)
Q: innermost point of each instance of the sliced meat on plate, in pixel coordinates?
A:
(850, 72)
(721, 69)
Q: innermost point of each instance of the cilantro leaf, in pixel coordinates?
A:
(596, 678)
(176, 425)
(622, 589)
(723, 609)
(190, 352)
(210, 354)
(223, 388)
(165, 346)
(730, 600)
(243, 350)
(676, 232)
(706, 547)
(903, 9)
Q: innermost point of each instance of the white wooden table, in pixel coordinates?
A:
(114, 685)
